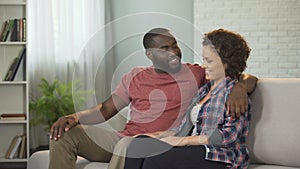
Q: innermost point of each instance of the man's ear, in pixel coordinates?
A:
(148, 53)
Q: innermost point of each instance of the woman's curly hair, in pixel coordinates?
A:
(232, 49)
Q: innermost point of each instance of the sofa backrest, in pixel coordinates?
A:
(274, 136)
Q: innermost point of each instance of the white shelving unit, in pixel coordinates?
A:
(13, 94)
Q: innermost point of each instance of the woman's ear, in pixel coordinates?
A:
(225, 67)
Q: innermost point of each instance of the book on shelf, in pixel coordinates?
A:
(23, 30)
(12, 145)
(8, 29)
(18, 31)
(21, 71)
(12, 116)
(4, 25)
(13, 30)
(13, 148)
(22, 151)
(13, 69)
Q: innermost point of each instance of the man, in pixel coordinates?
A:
(158, 96)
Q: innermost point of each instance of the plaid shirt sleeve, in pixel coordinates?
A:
(231, 129)
(234, 146)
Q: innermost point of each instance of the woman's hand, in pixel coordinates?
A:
(188, 140)
(153, 135)
(174, 140)
(158, 134)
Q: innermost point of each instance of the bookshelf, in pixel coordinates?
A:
(13, 94)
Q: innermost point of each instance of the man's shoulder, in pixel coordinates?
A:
(141, 68)
(198, 71)
(193, 65)
(195, 68)
(138, 69)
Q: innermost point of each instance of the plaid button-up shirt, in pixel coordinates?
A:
(213, 115)
(233, 130)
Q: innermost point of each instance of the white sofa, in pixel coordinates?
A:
(274, 140)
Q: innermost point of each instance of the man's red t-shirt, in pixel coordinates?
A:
(158, 101)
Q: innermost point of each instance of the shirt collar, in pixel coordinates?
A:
(224, 83)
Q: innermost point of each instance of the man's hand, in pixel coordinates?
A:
(238, 100)
(63, 124)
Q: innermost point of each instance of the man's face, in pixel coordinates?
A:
(165, 53)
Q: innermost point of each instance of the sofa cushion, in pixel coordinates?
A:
(270, 167)
(275, 133)
(82, 163)
(40, 160)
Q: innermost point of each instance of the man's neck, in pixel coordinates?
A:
(160, 71)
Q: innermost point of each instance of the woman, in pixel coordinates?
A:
(208, 137)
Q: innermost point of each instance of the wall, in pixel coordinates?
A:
(271, 27)
(142, 15)
(129, 20)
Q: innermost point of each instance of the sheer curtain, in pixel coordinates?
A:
(58, 32)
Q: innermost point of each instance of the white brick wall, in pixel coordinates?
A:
(271, 27)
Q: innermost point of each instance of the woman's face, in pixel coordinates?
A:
(214, 68)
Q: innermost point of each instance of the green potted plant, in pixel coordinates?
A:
(56, 101)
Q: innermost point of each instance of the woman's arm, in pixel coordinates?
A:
(184, 141)
(224, 136)
(159, 134)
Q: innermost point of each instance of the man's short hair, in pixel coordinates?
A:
(148, 37)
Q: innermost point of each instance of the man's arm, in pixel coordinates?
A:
(238, 98)
(249, 81)
(94, 115)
